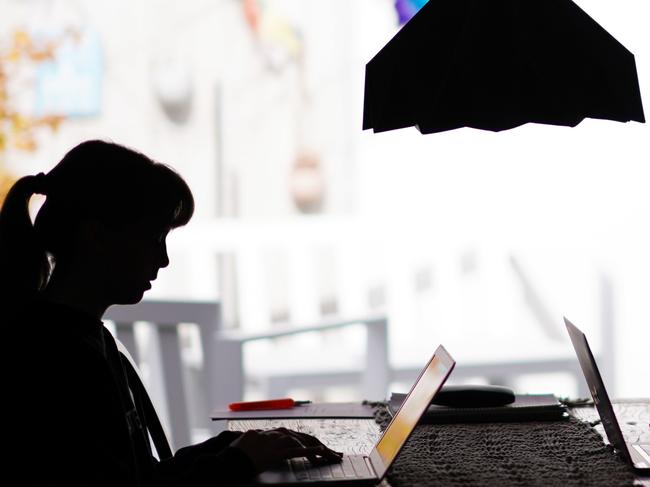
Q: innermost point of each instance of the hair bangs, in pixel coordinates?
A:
(169, 202)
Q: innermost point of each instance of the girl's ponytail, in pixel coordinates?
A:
(24, 266)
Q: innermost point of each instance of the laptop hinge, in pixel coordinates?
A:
(369, 465)
(642, 454)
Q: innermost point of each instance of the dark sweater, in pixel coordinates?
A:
(76, 424)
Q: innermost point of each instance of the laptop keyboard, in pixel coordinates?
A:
(353, 466)
(645, 448)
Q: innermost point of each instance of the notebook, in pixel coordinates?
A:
(371, 469)
(527, 407)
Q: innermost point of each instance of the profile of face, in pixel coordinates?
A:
(127, 260)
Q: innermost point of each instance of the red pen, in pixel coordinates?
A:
(285, 403)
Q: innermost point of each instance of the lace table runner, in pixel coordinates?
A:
(545, 453)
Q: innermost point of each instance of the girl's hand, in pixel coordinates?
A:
(271, 447)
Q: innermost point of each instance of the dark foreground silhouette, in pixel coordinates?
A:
(76, 414)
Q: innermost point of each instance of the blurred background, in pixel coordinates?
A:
(480, 241)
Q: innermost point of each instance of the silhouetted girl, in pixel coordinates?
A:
(99, 240)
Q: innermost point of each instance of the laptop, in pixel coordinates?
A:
(370, 469)
(636, 454)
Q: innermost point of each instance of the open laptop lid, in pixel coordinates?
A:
(597, 389)
(431, 379)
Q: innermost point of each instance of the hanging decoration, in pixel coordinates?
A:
(281, 44)
(18, 125)
(406, 9)
(70, 83)
(278, 39)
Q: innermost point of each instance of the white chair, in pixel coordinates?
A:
(223, 378)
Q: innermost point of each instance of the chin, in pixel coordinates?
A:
(132, 294)
(134, 298)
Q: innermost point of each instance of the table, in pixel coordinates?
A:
(633, 416)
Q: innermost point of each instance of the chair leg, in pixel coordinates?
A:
(377, 370)
(225, 372)
(174, 385)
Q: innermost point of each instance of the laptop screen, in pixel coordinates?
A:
(431, 379)
(597, 388)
